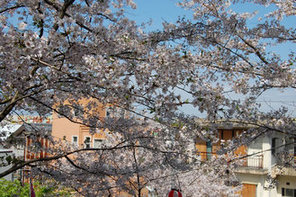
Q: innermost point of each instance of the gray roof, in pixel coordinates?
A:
(33, 128)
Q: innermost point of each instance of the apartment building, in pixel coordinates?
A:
(4, 153)
(267, 172)
(79, 134)
(262, 172)
(26, 141)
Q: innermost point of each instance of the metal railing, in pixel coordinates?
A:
(254, 161)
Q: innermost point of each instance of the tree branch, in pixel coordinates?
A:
(11, 8)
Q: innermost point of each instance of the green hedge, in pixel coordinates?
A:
(15, 189)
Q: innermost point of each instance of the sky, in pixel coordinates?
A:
(157, 10)
(166, 10)
(160, 11)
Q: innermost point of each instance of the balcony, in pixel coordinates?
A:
(254, 161)
(252, 165)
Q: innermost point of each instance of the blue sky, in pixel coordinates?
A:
(158, 11)
(167, 10)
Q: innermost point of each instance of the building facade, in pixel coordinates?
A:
(262, 171)
(79, 135)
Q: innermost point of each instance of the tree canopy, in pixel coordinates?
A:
(52, 51)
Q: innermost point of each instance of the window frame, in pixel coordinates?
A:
(77, 143)
(101, 140)
(107, 112)
(84, 142)
(284, 192)
(209, 146)
(274, 142)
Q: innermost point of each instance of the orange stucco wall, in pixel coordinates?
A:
(64, 129)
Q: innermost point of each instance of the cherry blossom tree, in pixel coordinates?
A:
(54, 51)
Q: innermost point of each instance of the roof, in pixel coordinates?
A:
(38, 129)
(33, 128)
(5, 151)
(225, 124)
(7, 130)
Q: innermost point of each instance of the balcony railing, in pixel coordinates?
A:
(255, 161)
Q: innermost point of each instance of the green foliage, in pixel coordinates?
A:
(50, 189)
(16, 189)
(10, 189)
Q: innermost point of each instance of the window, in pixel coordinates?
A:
(294, 146)
(209, 149)
(98, 143)
(288, 192)
(108, 113)
(227, 134)
(151, 192)
(273, 145)
(87, 142)
(77, 110)
(289, 146)
(75, 140)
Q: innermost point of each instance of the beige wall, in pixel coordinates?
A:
(285, 182)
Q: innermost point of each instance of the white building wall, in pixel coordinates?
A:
(263, 146)
(4, 153)
(288, 182)
(266, 148)
(260, 182)
(255, 151)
